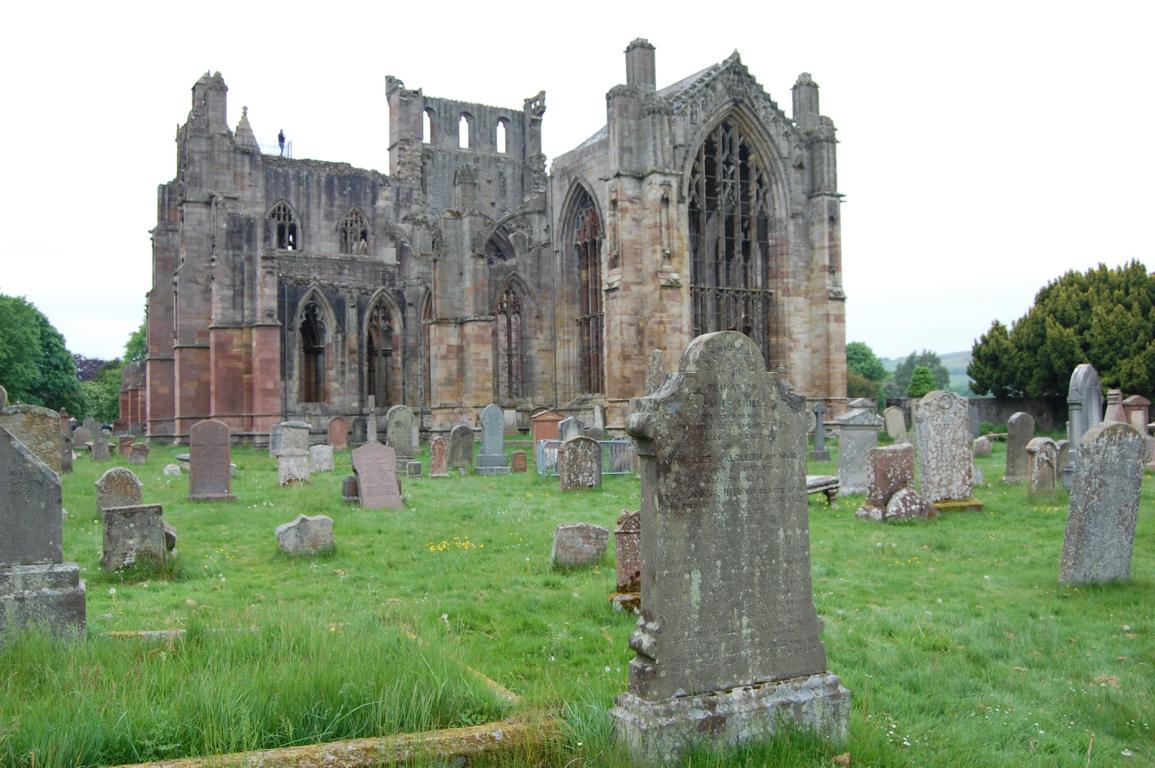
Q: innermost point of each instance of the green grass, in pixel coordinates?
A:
(956, 641)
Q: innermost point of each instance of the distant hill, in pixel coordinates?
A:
(956, 365)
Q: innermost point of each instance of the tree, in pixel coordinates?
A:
(858, 385)
(861, 359)
(101, 394)
(921, 381)
(992, 366)
(35, 365)
(927, 359)
(136, 348)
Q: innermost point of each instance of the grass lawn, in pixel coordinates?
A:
(956, 641)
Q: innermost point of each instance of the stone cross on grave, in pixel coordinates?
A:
(371, 420)
(820, 453)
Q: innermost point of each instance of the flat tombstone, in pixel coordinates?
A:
(338, 433)
(857, 434)
(576, 545)
(376, 468)
(461, 447)
(570, 427)
(579, 464)
(439, 456)
(728, 639)
(1104, 506)
(118, 487)
(895, 423)
(293, 466)
(628, 551)
(124, 445)
(520, 461)
(399, 430)
(38, 428)
(171, 470)
(1020, 431)
(544, 425)
(320, 458)
(133, 534)
(307, 535)
(1042, 467)
(210, 455)
(945, 451)
(139, 454)
(492, 459)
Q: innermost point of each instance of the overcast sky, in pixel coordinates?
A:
(985, 148)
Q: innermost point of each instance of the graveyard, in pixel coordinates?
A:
(953, 635)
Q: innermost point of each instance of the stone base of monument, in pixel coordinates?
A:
(656, 732)
(492, 464)
(958, 505)
(50, 595)
(630, 602)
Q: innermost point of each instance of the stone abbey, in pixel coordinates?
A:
(299, 289)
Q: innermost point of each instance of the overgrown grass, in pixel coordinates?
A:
(954, 637)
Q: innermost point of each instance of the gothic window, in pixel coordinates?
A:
(428, 121)
(382, 356)
(465, 131)
(284, 228)
(731, 262)
(587, 239)
(510, 332)
(354, 233)
(502, 135)
(426, 346)
(312, 335)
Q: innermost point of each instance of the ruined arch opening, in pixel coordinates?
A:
(382, 356)
(585, 249)
(311, 335)
(284, 227)
(509, 331)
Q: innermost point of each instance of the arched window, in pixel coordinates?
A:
(354, 233)
(465, 131)
(510, 343)
(428, 121)
(312, 335)
(426, 346)
(284, 228)
(501, 137)
(731, 262)
(382, 377)
(587, 239)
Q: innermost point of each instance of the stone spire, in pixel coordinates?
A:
(245, 137)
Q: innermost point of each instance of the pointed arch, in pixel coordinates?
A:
(353, 233)
(383, 344)
(314, 326)
(583, 233)
(284, 231)
(512, 316)
(427, 347)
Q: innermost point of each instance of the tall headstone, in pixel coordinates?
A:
(139, 454)
(727, 643)
(80, 439)
(1020, 431)
(820, 452)
(895, 424)
(1115, 410)
(209, 477)
(38, 428)
(399, 431)
(100, 451)
(338, 433)
(1104, 506)
(891, 473)
(492, 459)
(857, 434)
(1042, 467)
(66, 452)
(92, 425)
(945, 451)
(544, 425)
(376, 468)
(461, 448)
(628, 550)
(1084, 410)
(656, 373)
(569, 427)
(294, 437)
(439, 456)
(579, 464)
(118, 487)
(133, 534)
(36, 585)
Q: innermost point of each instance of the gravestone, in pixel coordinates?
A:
(945, 451)
(576, 545)
(38, 428)
(895, 423)
(492, 459)
(118, 487)
(579, 464)
(628, 551)
(439, 456)
(863, 404)
(1042, 467)
(461, 448)
(294, 436)
(1020, 431)
(124, 445)
(292, 466)
(1115, 411)
(210, 457)
(820, 452)
(569, 427)
(36, 585)
(66, 452)
(307, 535)
(320, 458)
(1064, 447)
(892, 471)
(358, 430)
(1137, 409)
(171, 470)
(1104, 506)
(80, 438)
(376, 468)
(413, 468)
(338, 433)
(727, 643)
(92, 425)
(983, 446)
(100, 449)
(139, 454)
(906, 504)
(349, 493)
(371, 420)
(857, 434)
(399, 431)
(544, 425)
(520, 461)
(656, 373)
(1084, 410)
(134, 534)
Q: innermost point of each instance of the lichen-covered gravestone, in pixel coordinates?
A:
(895, 423)
(519, 461)
(118, 487)
(36, 585)
(945, 451)
(579, 464)
(399, 431)
(376, 468)
(578, 544)
(439, 456)
(320, 458)
(1042, 467)
(38, 428)
(1020, 431)
(628, 551)
(134, 534)
(892, 471)
(656, 372)
(570, 427)
(492, 459)
(139, 454)
(1104, 506)
(461, 447)
(293, 466)
(857, 434)
(210, 456)
(727, 644)
(307, 535)
(983, 446)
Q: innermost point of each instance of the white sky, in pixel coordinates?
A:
(986, 147)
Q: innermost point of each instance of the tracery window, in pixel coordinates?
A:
(379, 354)
(731, 262)
(312, 373)
(510, 340)
(354, 233)
(587, 241)
(284, 228)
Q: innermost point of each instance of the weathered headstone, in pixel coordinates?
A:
(38, 428)
(1020, 431)
(338, 433)
(891, 471)
(727, 644)
(320, 458)
(118, 487)
(349, 492)
(292, 466)
(36, 585)
(983, 446)
(3, 398)
(1042, 467)
(544, 425)
(1137, 409)
(171, 470)
(906, 504)
(210, 455)
(895, 423)
(520, 461)
(578, 544)
(399, 431)
(294, 436)
(376, 468)
(1115, 411)
(857, 434)
(139, 454)
(80, 439)
(1084, 410)
(569, 427)
(579, 464)
(133, 534)
(1104, 505)
(100, 449)
(439, 456)
(92, 425)
(492, 459)
(124, 445)
(66, 452)
(1064, 447)
(820, 452)
(307, 535)
(656, 373)
(945, 451)
(461, 448)
(628, 551)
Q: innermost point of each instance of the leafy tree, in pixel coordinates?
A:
(921, 381)
(35, 366)
(992, 365)
(136, 348)
(858, 385)
(101, 394)
(58, 387)
(860, 359)
(927, 359)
